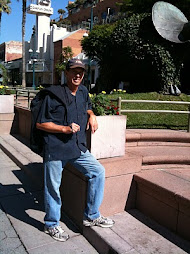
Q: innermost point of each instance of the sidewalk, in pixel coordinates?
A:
(21, 217)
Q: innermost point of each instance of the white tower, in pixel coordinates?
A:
(43, 12)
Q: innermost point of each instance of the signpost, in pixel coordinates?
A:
(38, 67)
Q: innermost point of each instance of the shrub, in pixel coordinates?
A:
(102, 105)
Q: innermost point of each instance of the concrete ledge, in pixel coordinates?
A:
(162, 154)
(170, 159)
(165, 197)
(6, 121)
(119, 174)
(140, 135)
(23, 157)
(73, 192)
(135, 233)
(24, 121)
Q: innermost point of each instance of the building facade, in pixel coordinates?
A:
(104, 11)
(11, 50)
(43, 50)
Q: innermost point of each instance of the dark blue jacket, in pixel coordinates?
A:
(63, 108)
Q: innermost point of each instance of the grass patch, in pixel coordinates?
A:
(155, 120)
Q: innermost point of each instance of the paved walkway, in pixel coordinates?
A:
(21, 217)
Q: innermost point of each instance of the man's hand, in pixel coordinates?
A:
(74, 127)
(92, 122)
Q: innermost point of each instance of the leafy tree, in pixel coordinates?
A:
(145, 6)
(61, 12)
(126, 6)
(144, 52)
(96, 45)
(70, 6)
(4, 8)
(67, 53)
(132, 50)
(62, 22)
(4, 74)
(79, 2)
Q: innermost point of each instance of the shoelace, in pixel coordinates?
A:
(57, 230)
(101, 219)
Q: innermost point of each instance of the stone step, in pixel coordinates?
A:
(156, 143)
(155, 155)
(22, 155)
(165, 166)
(135, 233)
(164, 195)
(136, 136)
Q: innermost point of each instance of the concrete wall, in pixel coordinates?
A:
(22, 122)
(6, 113)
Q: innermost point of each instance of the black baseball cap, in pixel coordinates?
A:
(74, 63)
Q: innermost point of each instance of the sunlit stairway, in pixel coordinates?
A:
(163, 185)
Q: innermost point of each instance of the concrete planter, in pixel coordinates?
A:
(6, 113)
(109, 140)
(6, 104)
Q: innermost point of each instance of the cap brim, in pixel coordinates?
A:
(77, 66)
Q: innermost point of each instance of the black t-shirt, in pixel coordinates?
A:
(60, 146)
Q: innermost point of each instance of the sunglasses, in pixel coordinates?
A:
(75, 72)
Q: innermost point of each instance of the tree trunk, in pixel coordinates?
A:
(23, 43)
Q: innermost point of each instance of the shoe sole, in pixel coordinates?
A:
(98, 225)
(104, 226)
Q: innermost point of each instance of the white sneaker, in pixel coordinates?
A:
(100, 222)
(57, 233)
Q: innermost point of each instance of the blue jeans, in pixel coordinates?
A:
(88, 166)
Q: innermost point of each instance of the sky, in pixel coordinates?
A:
(11, 25)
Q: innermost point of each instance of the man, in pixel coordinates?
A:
(64, 117)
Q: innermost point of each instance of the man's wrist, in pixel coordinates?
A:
(91, 113)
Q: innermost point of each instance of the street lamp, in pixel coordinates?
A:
(33, 56)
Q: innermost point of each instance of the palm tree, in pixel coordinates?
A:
(23, 43)
(4, 7)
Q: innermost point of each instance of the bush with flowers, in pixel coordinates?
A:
(102, 105)
(40, 87)
(4, 90)
(118, 91)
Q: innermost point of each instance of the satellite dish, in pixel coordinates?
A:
(170, 22)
